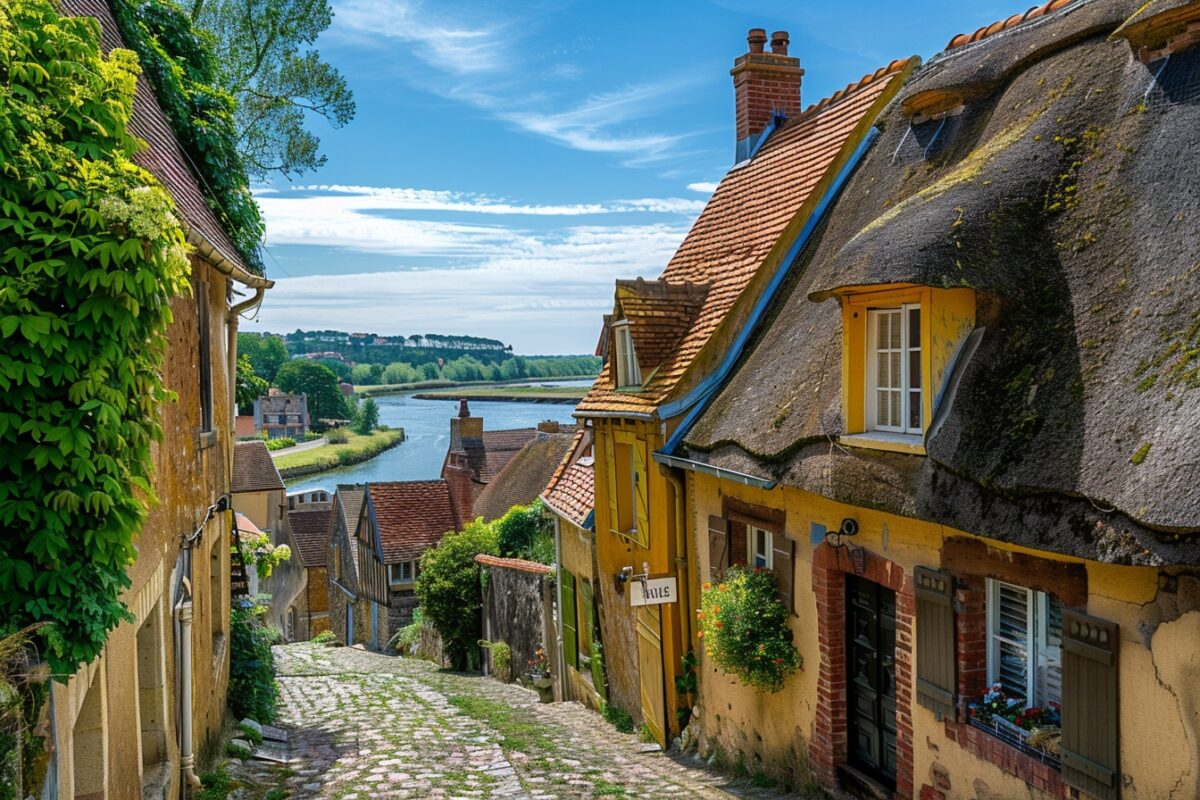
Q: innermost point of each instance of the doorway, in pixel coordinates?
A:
(871, 684)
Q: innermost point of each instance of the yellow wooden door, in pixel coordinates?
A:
(650, 671)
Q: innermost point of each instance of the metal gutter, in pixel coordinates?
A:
(224, 265)
(697, 399)
(709, 469)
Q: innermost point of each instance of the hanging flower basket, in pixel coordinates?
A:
(744, 629)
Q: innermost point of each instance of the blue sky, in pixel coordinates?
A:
(510, 160)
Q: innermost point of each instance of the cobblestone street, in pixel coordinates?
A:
(363, 725)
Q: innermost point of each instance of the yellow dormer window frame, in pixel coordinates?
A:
(898, 347)
(628, 373)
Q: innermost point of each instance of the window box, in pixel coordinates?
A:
(1017, 737)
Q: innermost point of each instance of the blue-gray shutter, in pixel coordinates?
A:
(936, 659)
(1090, 745)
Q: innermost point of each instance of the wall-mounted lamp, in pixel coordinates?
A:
(621, 578)
(848, 529)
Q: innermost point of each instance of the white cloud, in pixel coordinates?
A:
(705, 187)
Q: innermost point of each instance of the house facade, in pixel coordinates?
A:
(964, 441)
(669, 341)
(280, 415)
(570, 500)
(137, 720)
(359, 595)
(309, 610)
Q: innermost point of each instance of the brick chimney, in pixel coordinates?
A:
(764, 84)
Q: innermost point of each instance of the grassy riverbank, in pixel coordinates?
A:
(525, 394)
(332, 456)
(396, 388)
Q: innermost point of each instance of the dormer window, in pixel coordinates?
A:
(901, 343)
(894, 369)
(628, 374)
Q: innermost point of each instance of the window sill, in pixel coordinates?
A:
(1045, 776)
(882, 440)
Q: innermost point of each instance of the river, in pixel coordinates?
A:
(426, 425)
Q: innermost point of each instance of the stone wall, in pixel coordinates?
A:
(512, 613)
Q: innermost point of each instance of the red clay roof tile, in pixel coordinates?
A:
(253, 469)
(1000, 25)
(412, 516)
(519, 564)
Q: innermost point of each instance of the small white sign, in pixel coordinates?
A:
(656, 591)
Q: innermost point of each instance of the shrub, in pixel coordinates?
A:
(366, 417)
(524, 532)
(253, 692)
(92, 256)
(450, 589)
(618, 717)
(281, 443)
(337, 436)
(405, 638)
(311, 436)
(501, 659)
(743, 625)
(324, 637)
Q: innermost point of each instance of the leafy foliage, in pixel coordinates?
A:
(501, 659)
(337, 436)
(524, 531)
(90, 256)
(182, 67)
(24, 690)
(618, 717)
(249, 386)
(261, 553)
(325, 638)
(267, 353)
(276, 81)
(685, 688)
(325, 399)
(280, 443)
(253, 692)
(449, 586)
(743, 625)
(367, 417)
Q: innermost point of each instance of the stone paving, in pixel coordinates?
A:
(364, 725)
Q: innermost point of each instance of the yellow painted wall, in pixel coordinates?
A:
(948, 316)
(1159, 685)
(615, 550)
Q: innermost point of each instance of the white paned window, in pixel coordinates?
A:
(1024, 643)
(628, 373)
(894, 369)
(402, 573)
(760, 544)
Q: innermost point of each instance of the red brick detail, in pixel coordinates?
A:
(828, 746)
(970, 609)
(930, 793)
(983, 745)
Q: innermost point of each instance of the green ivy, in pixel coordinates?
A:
(181, 64)
(91, 255)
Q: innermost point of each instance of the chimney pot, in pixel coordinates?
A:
(779, 43)
(463, 410)
(756, 38)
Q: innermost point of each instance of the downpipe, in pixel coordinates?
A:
(187, 758)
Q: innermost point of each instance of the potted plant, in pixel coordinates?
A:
(539, 673)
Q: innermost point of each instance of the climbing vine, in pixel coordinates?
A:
(180, 63)
(90, 256)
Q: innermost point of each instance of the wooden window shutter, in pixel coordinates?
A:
(641, 481)
(1090, 744)
(783, 561)
(567, 613)
(936, 675)
(737, 542)
(610, 472)
(718, 547)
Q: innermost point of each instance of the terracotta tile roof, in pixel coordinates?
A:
(310, 532)
(412, 516)
(573, 495)
(519, 564)
(741, 225)
(349, 499)
(659, 314)
(524, 477)
(1005, 24)
(253, 469)
(163, 156)
(246, 526)
(489, 455)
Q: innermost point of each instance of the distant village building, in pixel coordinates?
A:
(359, 595)
(281, 415)
(309, 611)
(118, 724)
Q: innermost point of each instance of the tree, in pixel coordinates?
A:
(268, 66)
(367, 418)
(325, 400)
(249, 387)
(267, 353)
(450, 589)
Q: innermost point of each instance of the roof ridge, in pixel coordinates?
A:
(895, 66)
(1004, 24)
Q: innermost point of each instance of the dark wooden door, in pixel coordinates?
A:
(871, 651)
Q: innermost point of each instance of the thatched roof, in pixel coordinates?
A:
(1073, 212)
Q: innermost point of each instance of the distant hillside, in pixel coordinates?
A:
(371, 348)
